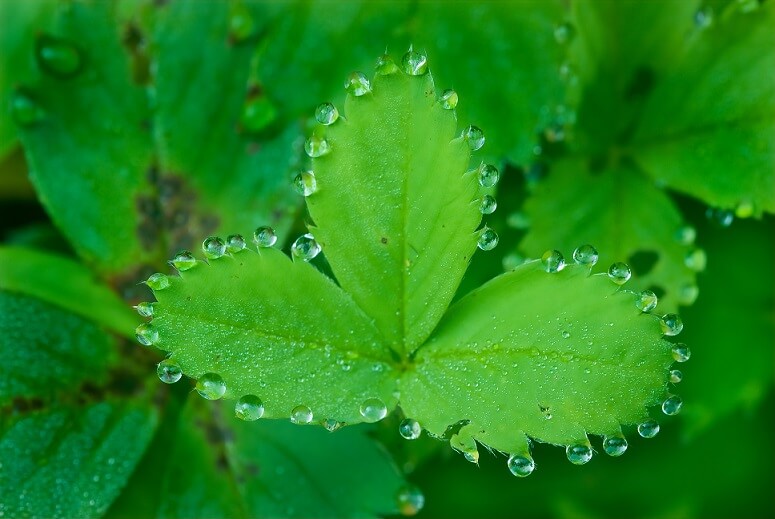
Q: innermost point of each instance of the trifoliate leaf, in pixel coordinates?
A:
(45, 350)
(708, 130)
(70, 462)
(394, 210)
(625, 217)
(551, 356)
(276, 329)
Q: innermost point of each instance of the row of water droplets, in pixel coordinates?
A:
(357, 84)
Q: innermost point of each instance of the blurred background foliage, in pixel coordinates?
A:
(132, 129)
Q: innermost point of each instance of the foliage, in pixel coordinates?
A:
(150, 127)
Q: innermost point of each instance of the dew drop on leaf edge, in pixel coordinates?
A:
(211, 386)
(676, 376)
(672, 405)
(183, 261)
(147, 334)
(671, 325)
(474, 136)
(488, 239)
(520, 465)
(24, 110)
(579, 453)
(305, 247)
(326, 114)
(449, 99)
(144, 309)
(488, 175)
(158, 281)
(414, 63)
(487, 204)
(373, 410)
(648, 429)
(305, 183)
(647, 301)
(235, 243)
(249, 408)
(614, 445)
(214, 247)
(553, 261)
(301, 415)
(619, 273)
(385, 66)
(409, 429)
(169, 371)
(681, 352)
(264, 236)
(316, 146)
(357, 84)
(585, 255)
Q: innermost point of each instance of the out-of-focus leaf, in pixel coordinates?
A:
(70, 462)
(218, 170)
(45, 350)
(625, 216)
(708, 130)
(63, 282)
(87, 140)
(21, 21)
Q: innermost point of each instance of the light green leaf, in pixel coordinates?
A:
(276, 329)
(20, 22)
(622, 214)
(46, 350)
(552, 357)
(395, 211)
(69, 285)
(211, 159)
(88, 148)
(708, 130)
(69, 462)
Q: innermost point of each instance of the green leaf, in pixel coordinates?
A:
(552, 356)
(47, 350)
(69, 462)
(720, 98)
(395, 211)
(16, 45)
(625, 216)
(503, 61)
(277, 329)
(89, 148)
(208, 148)
(63, 282)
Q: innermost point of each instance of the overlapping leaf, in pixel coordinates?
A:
(395, 213)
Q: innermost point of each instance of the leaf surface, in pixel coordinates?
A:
(46, 350)
(553, 357)
(709, 127)
(395, 211)
(70, 462)
(625, 216)
(276, 329)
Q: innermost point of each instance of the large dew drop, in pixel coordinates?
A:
(249, 408)
(409, 429)
(619, 273)
(385, 65)
(357, 84)
(264, 237)
(326, 114)
(647, 301)
(373, 410)
(474, 136)
(614, 445)
(648, 429)
(183, 261)
(448, 99)
(488, 239)
(214, 247)
(157, 281)
(316, 146)
(672, 405)
(671, 324)
(681, 352)
(578, 454)
(301, 415)
(168, 371)
(305, 247)
(211, 386)
(414, 63)
(305, 183)
(145, 309)
(585, 255)
(235, 243)
(147, 334)
(487, 205)
(488, 175)
(553, 261)
(521, 465)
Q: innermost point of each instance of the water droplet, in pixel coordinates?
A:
(672, 406)
(487, 205)
(676, 376)
(331, 425)
(57, 57)
(688, 294)
(703, 17)
(305, 183)
(471, 454)
(214, 247)
(257, 113)
(235, 243)
(488, 239)
(681, 352)
(521, 465)
(745, 209)
(474, 136)
(414, 63)
(567, 73)
(211, 386)
(183, 261)
(553, 261)
(564, 33)
(448, 99)
(385, 65)
(488, 175)
(648, 429)
(619, 273)
(647, 301)
(696, 260)
(316, 146)
(721, 217)
(566, 335)
(305, 247)
(145, 309)
(373, 410)
(264, 236)
(157, 281)
(578, 454)
(357, 84)
(614, 445)
(671, 324)
(585, 255)
(147, 334)
(241, 23)
(326, 114)
(410, 500)
(686, 235)
(24, 110)
(249, 408)
(409, 429)
(301, 415)
(168, 371)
